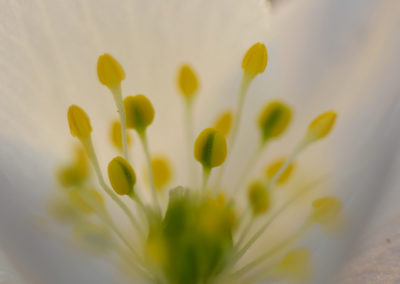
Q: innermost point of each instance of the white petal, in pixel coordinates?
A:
(34, 250)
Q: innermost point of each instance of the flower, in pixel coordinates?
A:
(57, 70)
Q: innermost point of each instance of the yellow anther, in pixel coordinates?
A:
(79, 123)
(326, 210)
(188, 84)
(210, 148)
(275, 166)
(162, 171)
(321, 126)
(121, 175)
(296, 265)
(78, 201)
(139, 112)
(77, 172)
(109, 71)
(255, 60)
(259, 198)
(223, 123)
(274, 120)
(116, 135)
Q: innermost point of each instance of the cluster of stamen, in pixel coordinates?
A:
(200, 236)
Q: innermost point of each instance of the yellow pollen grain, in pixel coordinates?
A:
(210, 148)
(321, 126)
(162, 171)
(274, 120)
(109, 71)
(275, 166)
(116, 135)
(255, 60)
(187, 81)
(223, 123)
(139, 112)
(122, 176)
(79, 123)
(259, 198)
(326, 210)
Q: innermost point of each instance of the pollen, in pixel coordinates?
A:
(274, 120)
(139, 112)
(122, 176)
(223, 124)
(255, 60)
(274, 168)
(187, 81)
(109, 71)
(79, 123)
(210, 148)
(116, 135)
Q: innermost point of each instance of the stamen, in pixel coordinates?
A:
(259, 198)
(122, 176)
(254, 63)
(318, 129)
(223, 123)
(110, 74)
(162, 171)
(188, 86)
(321, 126)
(274, 120)
(139, 112)
(210, 150)
(75, 195)
(187, 82)
(80, 127)
(116, 135)
(326, 210)
(139, 115)
(275, 166)
(277, 248)
(79, 124)
(255, 60)
(76, 173)
(295, 265)
(109, 71)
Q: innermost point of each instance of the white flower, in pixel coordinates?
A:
(323, 55)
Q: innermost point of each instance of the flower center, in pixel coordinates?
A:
(201, 235)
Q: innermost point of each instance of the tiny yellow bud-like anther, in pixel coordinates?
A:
(139, 112)
(259, 198)
(116, 135)
(275, 166)
(274, 120)
(79, 123)
(121, 175)
(321, 126)
(296, 265)
(210, 148)
(187, 81)
(109, 71)
(255, 60)
(223, 123)
(162, 171)
(326, 210)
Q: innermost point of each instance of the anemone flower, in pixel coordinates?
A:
(213, 141)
